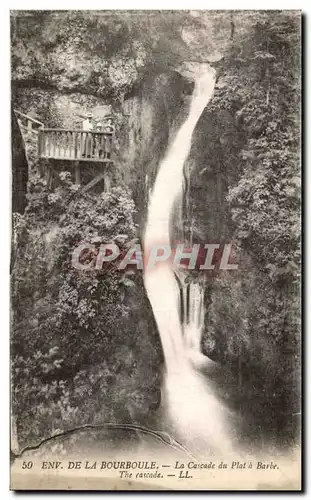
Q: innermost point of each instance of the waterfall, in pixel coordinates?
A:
(195, 413)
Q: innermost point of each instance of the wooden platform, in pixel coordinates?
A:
(91, 159)
(75, 145)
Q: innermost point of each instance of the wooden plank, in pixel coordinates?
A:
(75, 153)
(99, 141)
(95, 160)
(76, 130)
(43, 142)
(61, 144)
(105, 146)
(81, 144)
(93, 182)
(65, 145)
(70, 144)
(100, 146)
(96, 146)
(86, 148)
(50, 140)
(91, 141)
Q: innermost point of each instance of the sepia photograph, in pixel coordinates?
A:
(155, 271)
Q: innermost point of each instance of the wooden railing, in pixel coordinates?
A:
(75, 144)
(28, 123)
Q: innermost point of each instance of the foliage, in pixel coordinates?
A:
(253, 317)
(68, 324)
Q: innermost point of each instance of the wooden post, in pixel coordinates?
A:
(83, 151)
(67, 145)
(41, 167)
(49, 176)
(91, 144)
(107, 182)
(43, 144)
(96, 142)
(48, 149)
(75, 147)
(63, 145)
(103, 146)
(59, 142)
(70, 144)
(77, 173)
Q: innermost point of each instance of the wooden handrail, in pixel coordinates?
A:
(28, 117)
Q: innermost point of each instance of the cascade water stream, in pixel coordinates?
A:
(189, 404)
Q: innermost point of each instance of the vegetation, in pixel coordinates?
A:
(254, 314)
(77, 347)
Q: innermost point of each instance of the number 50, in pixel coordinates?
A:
(27, 465)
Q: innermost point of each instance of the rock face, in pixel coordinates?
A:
(136, 66)
(19, 168)
(106, 53)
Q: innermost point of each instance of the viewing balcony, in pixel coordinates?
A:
(75, 145)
